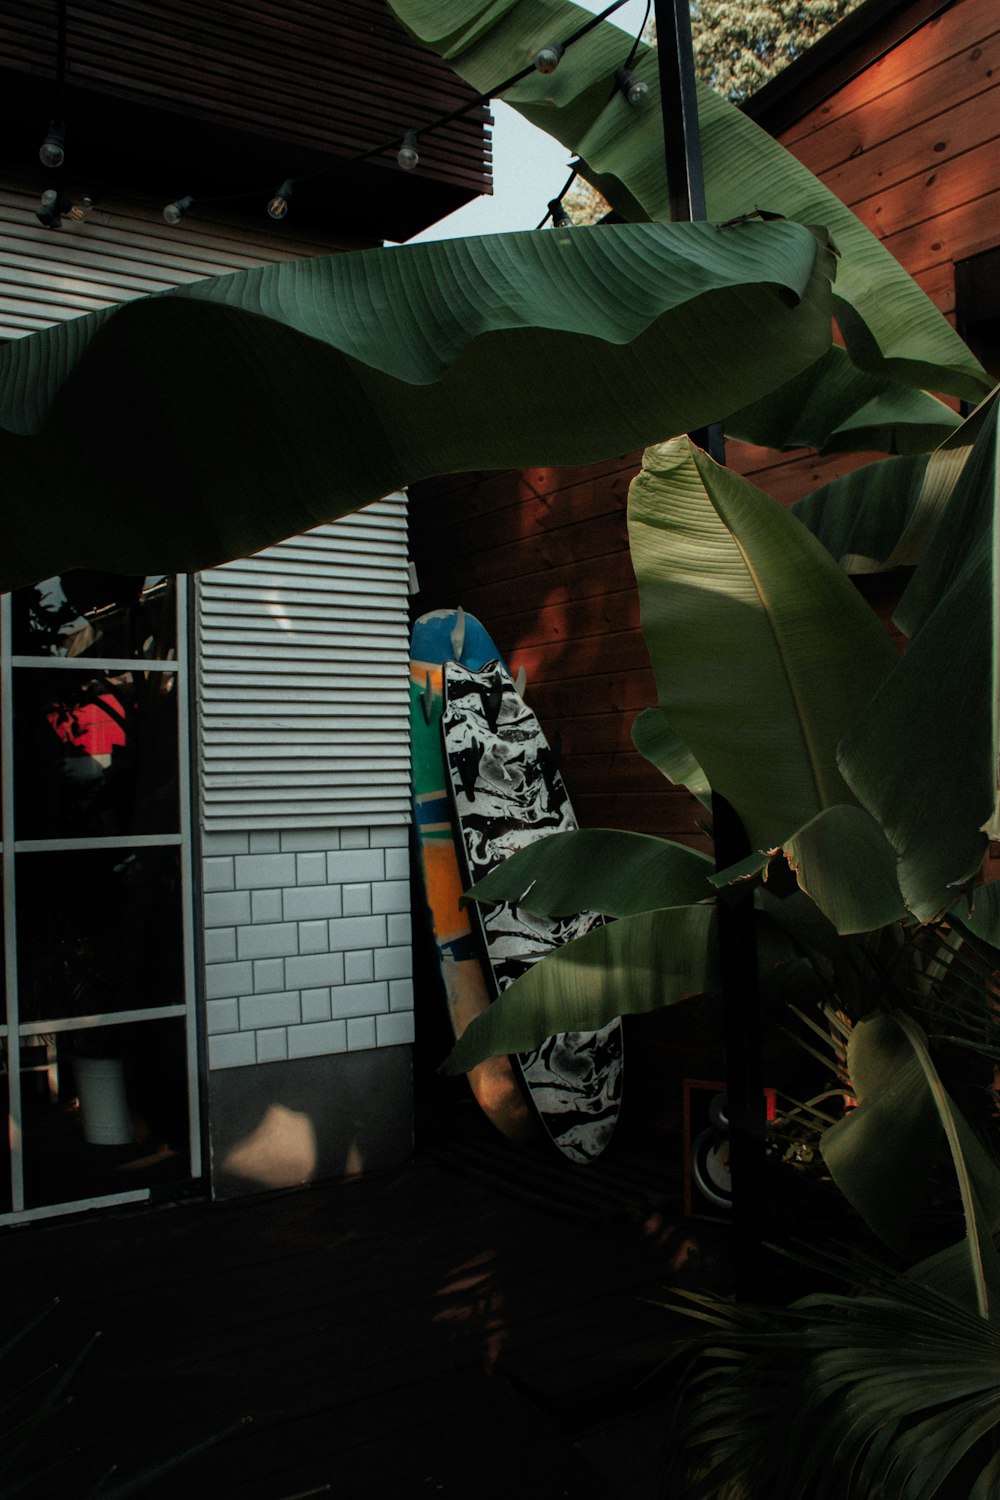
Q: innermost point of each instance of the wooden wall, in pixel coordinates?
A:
(913, 145)
(541, 557)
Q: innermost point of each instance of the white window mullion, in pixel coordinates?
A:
(10, 909)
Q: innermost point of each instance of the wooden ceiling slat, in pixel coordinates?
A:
(305, 82)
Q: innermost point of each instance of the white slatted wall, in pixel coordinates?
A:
(303, 668)
(118, 252)
(304, 680)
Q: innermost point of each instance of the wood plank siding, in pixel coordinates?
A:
(231, 98)
(541, 557)
(907, 132)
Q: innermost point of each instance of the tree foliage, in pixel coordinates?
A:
(738, 46)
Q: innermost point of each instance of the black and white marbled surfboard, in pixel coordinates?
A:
(506, 793)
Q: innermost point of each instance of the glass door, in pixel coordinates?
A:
(97, 1038)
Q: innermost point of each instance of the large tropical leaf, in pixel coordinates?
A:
(838, 408)
(653, 737)
(634, 965)
(598, 869)
(763, 652)
(890, 326)
(923, 756)
(843, 861)
(880, 1153)
(879, 517)
(893, 1391)
(207, 422)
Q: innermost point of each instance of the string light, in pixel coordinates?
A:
(50, 208)
(408, 156)
(278, 206)
(546, 60)
(632, 86)
(549, 58)
(560, 218)
(52, 151)
(174, 212)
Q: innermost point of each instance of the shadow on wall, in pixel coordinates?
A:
(286, 1124)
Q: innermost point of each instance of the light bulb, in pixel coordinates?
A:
(633, 87)
(407, 156)
(560, 218)
(174, 212)
(278, 206)
(548, 59)
(48, 212)
(52, 151)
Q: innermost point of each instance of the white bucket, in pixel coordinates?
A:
(100, 1084)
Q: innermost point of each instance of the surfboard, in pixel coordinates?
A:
(507, 792)
(435, 638)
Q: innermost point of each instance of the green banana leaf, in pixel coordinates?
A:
(843, 861)
(890, 326)
(980, 912)
(204, 423)
(653, 737)
(862, 517)
(631, 966)
(880, 1153)
(763, 652)
(838, 408)
(923, 756)
(880, 517)
(598, 869)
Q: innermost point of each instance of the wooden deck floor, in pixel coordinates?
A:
(471, 1324)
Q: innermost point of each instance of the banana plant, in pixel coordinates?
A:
(890, 327)
(203, 423)
(769, 666)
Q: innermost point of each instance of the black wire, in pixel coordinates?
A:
(636, 44)
(455, 114)
(60, 56)
(560, 196)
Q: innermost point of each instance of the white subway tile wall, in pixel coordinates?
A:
(307, 943)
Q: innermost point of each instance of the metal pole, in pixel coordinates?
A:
(738, 952)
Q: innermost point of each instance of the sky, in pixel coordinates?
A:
(529, 167)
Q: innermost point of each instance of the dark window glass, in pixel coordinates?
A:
(96, 614)
(104, 1118)
(99, 931)
(977, 306)
(95, 753)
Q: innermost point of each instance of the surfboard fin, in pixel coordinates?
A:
(458, 634)
(467, 764)
(427, 699)
(492, 699)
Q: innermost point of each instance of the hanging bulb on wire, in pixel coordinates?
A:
(174, 212)
(631, 85)
(278, 206)
(52, 151)
(560, 218)
(548, 59)
(407, 156)
(49, 210)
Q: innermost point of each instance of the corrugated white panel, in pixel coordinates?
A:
(118, 252)
(303, 679)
